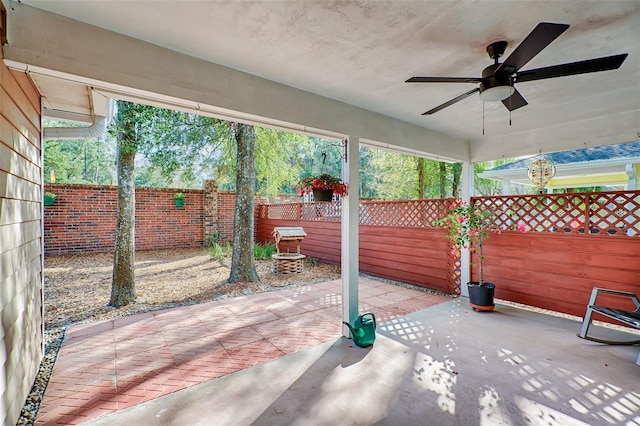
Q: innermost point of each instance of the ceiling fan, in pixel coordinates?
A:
(498, 80)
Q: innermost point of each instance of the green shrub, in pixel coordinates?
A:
(219, 251)
(210, 241)
(265, 251)
(313, 261)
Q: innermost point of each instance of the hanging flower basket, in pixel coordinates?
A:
(324, 182)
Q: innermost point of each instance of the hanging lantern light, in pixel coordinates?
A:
(540, 172)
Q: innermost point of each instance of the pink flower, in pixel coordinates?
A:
(522, 227)
(575, 224)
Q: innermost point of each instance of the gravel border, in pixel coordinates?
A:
(53, 342)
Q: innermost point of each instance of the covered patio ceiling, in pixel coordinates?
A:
(360, 54)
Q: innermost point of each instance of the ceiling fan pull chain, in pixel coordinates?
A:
(482, 118)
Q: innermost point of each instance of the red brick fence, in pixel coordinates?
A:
(83, 218)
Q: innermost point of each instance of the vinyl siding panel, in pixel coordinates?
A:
(21, 334)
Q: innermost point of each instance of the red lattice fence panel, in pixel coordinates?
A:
(615, 213)
(610, 213)
(405, 213)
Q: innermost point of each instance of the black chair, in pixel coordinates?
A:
(630, 318)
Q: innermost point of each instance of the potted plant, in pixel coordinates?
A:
(323, 187)
(49, 198)
(469, 227)
(178, 197)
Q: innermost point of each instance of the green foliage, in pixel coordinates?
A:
(263, 251)
(178, 196)
(129, 125)
(468, 227)
(313, 261)
(177, 149)
(88, 161)
(277, 165)
(219, 251)
(49, 196)
(210, 241)
(488, 187)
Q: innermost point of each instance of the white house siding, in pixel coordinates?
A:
(21, 333)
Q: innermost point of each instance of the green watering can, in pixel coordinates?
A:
(363, 331)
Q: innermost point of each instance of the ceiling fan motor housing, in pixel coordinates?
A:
(495, 87)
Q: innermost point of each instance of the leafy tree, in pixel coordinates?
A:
(487, 187)
(78, 160)
(277, 168)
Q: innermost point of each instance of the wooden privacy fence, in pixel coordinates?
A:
(574, 242)
(397, 238)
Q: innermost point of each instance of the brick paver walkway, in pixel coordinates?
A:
(107, 366)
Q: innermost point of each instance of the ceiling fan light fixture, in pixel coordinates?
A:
(497, 93)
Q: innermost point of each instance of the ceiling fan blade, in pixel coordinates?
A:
(573, 68)
(452, 101)
(514, 101)
(444, 80)
(541, 36)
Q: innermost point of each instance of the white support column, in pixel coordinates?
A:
(632, 171)
(506, 186)
(349, 237)
(465, 259)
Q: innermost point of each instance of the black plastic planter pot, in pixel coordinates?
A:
(481, 297)
(322, 194)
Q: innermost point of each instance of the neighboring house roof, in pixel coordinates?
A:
(599, 166)
(629, 150)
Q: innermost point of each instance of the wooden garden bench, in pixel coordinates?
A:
(630, 318)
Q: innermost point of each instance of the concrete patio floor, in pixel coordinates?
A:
(108, 366)
(443, 365)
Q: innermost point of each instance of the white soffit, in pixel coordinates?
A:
(362, 52)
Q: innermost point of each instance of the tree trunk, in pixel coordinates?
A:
(242, 261)
(123, 290)
(457, 172)
(443, 179)
(421, 178)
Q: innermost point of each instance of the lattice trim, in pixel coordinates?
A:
(608, 213)
(605, 213)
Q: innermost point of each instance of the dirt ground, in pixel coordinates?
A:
(77, 288)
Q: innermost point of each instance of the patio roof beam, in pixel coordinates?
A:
(85, 51)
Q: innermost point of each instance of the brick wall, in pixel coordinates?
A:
(83, 218)
(226, 209)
